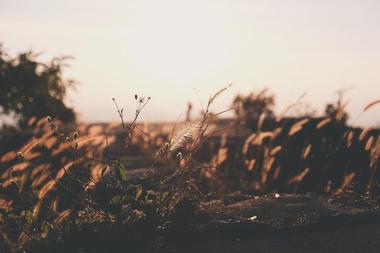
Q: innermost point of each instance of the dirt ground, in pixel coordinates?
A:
(290, 223)
(357, 238)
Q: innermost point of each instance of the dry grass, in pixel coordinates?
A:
(307, 154)
(370, 105)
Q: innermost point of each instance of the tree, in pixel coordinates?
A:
(337, 111)
(249, 108)
(30, 88)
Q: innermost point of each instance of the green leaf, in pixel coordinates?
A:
(139, 191)
(115, 200)
(120, 167)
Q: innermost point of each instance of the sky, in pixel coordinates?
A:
(178, 51)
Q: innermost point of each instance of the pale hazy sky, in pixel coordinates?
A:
(176, 51)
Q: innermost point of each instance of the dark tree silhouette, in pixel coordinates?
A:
(30, 88)
(337, 111)
(249, 108)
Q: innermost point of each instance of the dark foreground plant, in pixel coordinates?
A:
(58, 194)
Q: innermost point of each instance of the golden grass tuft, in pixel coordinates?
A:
(369, 143)
(297, 127)
(347, 179)
(364, 133)
(9, 156)
(248, 142)
(65, 168)
(275, 150)
(39, 180)
(30, 145)
(39, 169)
(250, 164)
(184, 137)
(323, 123)
(221, 157)
(350, 137)
(261, 137)
(370, 105)
(5, 203)
(218, 93)
(306, 151)
(299, 177)
(93, 139)
(63, 216)
(277, 132)
(260, 122)
(20, 166)
(46, 188)
(36, 209)
(277, 172)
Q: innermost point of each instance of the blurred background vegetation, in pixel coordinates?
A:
(30, 90)
(66, 181)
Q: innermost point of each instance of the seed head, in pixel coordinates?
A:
(19, 155)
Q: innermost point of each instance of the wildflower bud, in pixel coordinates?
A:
(75, 135)
(20, 155)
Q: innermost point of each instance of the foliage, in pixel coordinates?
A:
(56, 192)
(31, 88)
(72, 192)
(250, 107)
(337, 111)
